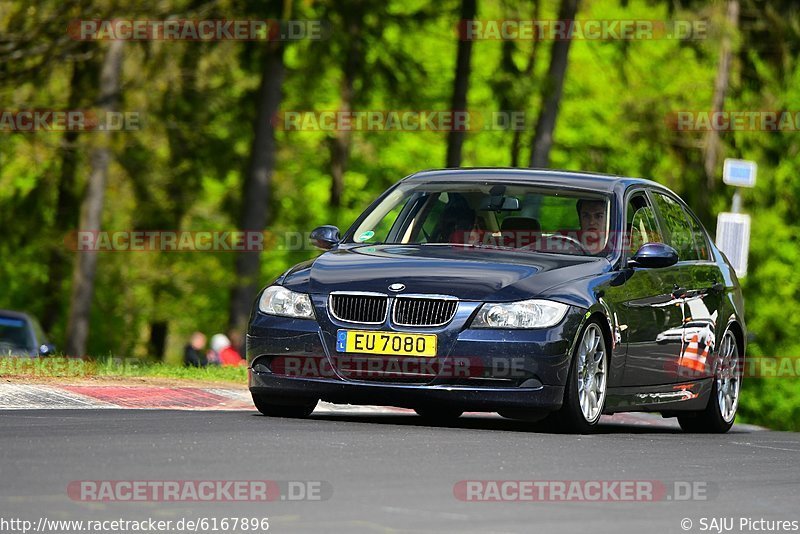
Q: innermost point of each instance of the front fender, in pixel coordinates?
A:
(602, 312)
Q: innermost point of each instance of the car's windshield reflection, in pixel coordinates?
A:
(485, 215)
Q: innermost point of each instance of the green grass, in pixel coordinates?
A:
(770, 402)
(66, 368)
(214, 373)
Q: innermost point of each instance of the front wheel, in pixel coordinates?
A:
(281, 407)
(585, 393)
(720, 412)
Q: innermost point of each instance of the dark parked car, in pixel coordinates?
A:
(22, 335)
(532, 293)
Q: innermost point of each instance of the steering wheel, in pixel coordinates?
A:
(571, 241)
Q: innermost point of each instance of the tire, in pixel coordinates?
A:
(438, 414)
(579, 414)
(279, 407)
(720, 412)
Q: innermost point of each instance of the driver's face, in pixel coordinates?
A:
(593, 216)
(593, 225)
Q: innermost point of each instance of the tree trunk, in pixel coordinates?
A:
(516, 141)
(340, 143)
(712, 143)
(256, 193)
(67, 203)
(92, 206)
(551, 92)
(158, 340)
(455, 138)
(340, 153)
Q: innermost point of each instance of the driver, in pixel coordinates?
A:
(593, 215)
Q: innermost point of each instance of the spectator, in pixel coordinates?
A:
(218, 342)
(237, 342)
(228, 355)
(193, 351)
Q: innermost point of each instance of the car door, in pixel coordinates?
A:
(648, 315)
(697, 284)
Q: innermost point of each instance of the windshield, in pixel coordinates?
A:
(14, 334)
(515, 217)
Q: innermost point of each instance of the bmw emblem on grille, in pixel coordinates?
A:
(397, 287)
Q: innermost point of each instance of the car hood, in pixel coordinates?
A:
(467, 273)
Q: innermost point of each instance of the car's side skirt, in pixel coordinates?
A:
(684, 396)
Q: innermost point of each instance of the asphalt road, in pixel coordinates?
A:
(389, 473)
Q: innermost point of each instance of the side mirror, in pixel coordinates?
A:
(325, 237)
(46, 349)
(654, 256)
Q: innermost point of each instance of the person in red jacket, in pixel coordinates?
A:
(228, 355)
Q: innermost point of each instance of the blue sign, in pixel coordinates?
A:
(739, 172)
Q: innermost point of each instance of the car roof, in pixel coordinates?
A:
(15, 314)
(549, 177)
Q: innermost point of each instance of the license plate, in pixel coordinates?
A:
(393, 343)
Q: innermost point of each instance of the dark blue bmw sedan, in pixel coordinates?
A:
(532, 293)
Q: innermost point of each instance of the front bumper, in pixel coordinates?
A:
(468, 398)
(474, 369)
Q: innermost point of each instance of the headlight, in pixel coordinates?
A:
(522, 314)
(277, 300)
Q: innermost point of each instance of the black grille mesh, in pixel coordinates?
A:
(423, 311)
(359, 308)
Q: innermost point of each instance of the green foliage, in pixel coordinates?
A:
(184, 168)
(771, 402)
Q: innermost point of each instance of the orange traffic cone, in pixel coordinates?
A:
(692, 358)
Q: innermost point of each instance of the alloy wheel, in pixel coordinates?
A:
(591, 368)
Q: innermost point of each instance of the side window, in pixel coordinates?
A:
(677, 226)
(640, 222)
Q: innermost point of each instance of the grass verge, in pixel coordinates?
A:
(64, 369)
